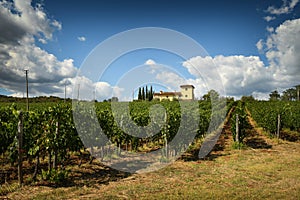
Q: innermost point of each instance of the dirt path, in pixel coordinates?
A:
(225, 140)
(255, 138)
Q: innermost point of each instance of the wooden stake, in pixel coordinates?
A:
(27, 98)
(56, 150)
(237, 128)
(20, 150)
(65, 93)
(166, 140)
(278, 126)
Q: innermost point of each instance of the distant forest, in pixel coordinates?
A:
(145, 93)
(39, 99)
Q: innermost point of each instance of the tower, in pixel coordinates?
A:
(187, 92)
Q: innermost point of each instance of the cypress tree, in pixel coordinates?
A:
(140, 94)
(143, 94)
(151, 93)
(147, 93)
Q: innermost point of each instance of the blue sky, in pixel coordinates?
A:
(222, 27)
(240, 37)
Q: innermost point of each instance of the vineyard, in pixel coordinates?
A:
(50, 137)
(277, 117)
(50, 131)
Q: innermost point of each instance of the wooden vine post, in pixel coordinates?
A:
(278, 126)
(165, 135)
(20, 148)
(237, 128)
(56, 149)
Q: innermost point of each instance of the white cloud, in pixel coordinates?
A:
(150, 62)
(43, 41)
(171, 79)
(45, 70)
(260, 45)
(270, 29)
(248, 75)
(57, 24)
(260, 95)
(81, 39)
(89, 90)
(286, 8)
(269, 18)
(242, 75)
(19, 18)
(284, 51)
(239, 74)
(103, 90)
(47, 75)
(20, 24)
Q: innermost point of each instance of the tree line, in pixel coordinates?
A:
(291, 94)
(145, 93)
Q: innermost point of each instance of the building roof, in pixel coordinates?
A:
(167, 94)
(185, 86)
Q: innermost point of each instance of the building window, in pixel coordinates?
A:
(185, 89)
(186, 95)
(167, 96)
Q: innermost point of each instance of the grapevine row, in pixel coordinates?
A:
(266, 115)
(50, 131)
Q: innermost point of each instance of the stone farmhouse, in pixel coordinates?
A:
(186, 93)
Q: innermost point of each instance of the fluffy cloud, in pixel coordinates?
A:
(150, 62)
(284, 51)
(20, 24)
(260, 45)
(56, 24)
(248, 75)
(171, 79)
(88, 90)
(245, 75)
(270, 29)
(104, 90)
(269, 18)
(19, 18)
(81, 39)
(45, 70)
(229, 75)
(287, 7)
(239, 74)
